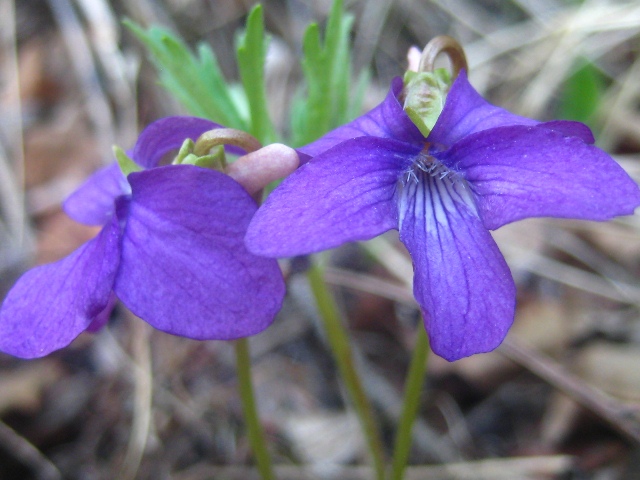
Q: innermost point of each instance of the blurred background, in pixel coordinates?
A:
(560, 399)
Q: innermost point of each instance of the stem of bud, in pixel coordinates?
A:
(450, 47)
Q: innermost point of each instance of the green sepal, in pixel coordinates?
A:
(126, 164)
(186, 149)
(425, 94)
(216, 160)
(251, 51)
(188, 159)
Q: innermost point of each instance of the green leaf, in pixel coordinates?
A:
(251, 51)
(581, 94)
(317, 107)
(327, 74)
(196, 82)
(362, 82)
(338, 41)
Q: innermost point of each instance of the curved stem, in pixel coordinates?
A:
(339, 341)
(447, 45)
(250, 412)
(225, 136)
(412, 391)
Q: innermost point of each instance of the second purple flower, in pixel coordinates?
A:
(480, 167)
(171, 249)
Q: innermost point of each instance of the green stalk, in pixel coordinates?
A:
(412, 391)
(339, 341)
(250, 412)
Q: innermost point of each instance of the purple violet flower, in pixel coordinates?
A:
(481, 167)
(171, 249)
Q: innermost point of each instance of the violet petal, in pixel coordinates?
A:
(52, 304)
(466, 112)
(102, 318)
(165, 135)
(387, 120)
(185, 269)
(93, 202)
(461, 279)
(519, 172)
(344, 195)
(569, 128)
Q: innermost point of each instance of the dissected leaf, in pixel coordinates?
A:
(196, 81)
(251, 53)
(327, 74)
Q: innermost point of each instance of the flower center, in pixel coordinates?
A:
(429, 166)
(432, 167)
(429, 188)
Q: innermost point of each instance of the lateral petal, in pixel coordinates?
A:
(461, 279)
(185, 269)
(569, 128)
(466, 112)
(52, 304)
(518, 172)
(387, 120)
(166, 134)
(345, 194)
(93, 202)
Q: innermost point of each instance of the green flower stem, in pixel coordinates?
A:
(412, 391)
(339, 341)
(250, 412)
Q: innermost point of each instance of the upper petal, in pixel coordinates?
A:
(466, 112)
(93, 202)
(185, 269)
(52, 304)
(166, 134)
(461, 279)
(519, 172)
(343, 195)
(569, 128)
(387, 120)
